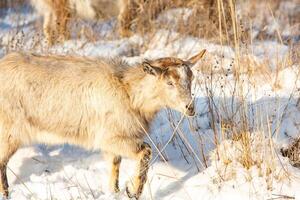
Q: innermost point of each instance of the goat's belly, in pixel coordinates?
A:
(50, 138)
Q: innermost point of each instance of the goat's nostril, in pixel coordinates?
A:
(190, 109)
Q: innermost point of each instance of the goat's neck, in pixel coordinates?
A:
(144, 97)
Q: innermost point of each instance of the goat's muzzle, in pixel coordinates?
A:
(190, 110)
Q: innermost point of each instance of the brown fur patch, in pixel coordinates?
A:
(168, 62)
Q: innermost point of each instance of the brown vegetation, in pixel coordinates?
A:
(293, 152)
(11, 3)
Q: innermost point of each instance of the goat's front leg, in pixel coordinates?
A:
(135, 187)
(132, 148)
(48, 28)
(114, 176)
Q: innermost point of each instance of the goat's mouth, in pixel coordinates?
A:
(190, 110)
(190, 113)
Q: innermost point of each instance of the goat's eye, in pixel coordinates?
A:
(184, 65)
(170, 83)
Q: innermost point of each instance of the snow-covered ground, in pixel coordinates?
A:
(192, 167)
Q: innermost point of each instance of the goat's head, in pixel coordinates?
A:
(174, 78)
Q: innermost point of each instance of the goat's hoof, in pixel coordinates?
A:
(116, 190)
(4, 195)
(131, 195)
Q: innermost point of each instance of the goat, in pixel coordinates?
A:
(93, 103)
(57, 13)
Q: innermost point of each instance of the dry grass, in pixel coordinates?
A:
(203, 22)
(11, 3)
(227, 23)
(293, 152)
(212, 19)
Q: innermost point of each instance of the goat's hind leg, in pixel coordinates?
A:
(62, 20)
(50, 28)
(8, 147)
(3, 181)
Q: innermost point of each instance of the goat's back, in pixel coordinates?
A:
(88, 9)
(65, 95)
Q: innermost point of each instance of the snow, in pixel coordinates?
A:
(68, 172)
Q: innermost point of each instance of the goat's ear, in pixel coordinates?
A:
(194, 59)
(149, 69)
